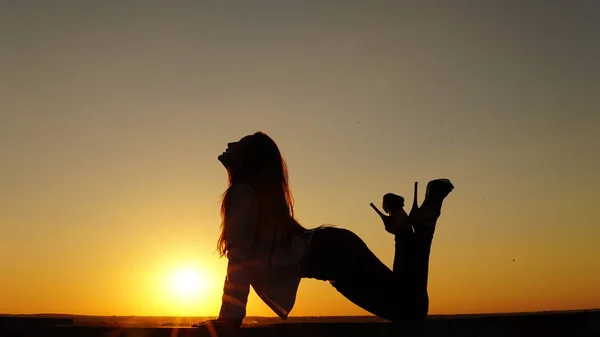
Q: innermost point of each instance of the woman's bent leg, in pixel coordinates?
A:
(420, 260)
(404, 252)
(341, 257)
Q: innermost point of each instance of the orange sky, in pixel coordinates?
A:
(112, 115)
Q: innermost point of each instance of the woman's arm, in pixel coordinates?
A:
(237, 230)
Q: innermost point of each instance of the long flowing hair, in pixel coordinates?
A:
(263, 168)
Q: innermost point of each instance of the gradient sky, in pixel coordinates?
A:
(112, 114)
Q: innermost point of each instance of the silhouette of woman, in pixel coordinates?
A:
(268, 249)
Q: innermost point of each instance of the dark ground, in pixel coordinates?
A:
(568, 324)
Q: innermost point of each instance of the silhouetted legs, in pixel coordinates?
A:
(341, 257)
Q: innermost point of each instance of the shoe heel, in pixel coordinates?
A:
(415, 205)
(437, 190)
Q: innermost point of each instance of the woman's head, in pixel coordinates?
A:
(255, 160)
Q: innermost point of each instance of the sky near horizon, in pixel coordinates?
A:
(112, 115)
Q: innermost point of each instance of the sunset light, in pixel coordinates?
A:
(183, 289)
(114, 194)
(188, 282)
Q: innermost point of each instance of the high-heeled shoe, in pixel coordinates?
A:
(431, 208)
(396, 219)
(415, 206)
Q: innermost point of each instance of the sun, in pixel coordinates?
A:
(184, 288)
(187, 282)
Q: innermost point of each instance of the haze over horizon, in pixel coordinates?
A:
(113, 114)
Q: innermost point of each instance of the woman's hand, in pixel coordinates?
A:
(219, 325)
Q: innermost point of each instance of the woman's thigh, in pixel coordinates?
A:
(338, 254)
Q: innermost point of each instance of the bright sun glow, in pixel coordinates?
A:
(185, 288)
(188, 282)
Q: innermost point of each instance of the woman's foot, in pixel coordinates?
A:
(397, 219)
(431, 209)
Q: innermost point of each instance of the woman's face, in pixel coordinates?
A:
(233, 153)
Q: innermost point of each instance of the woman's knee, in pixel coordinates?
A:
(413, 311)
(421, 312)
